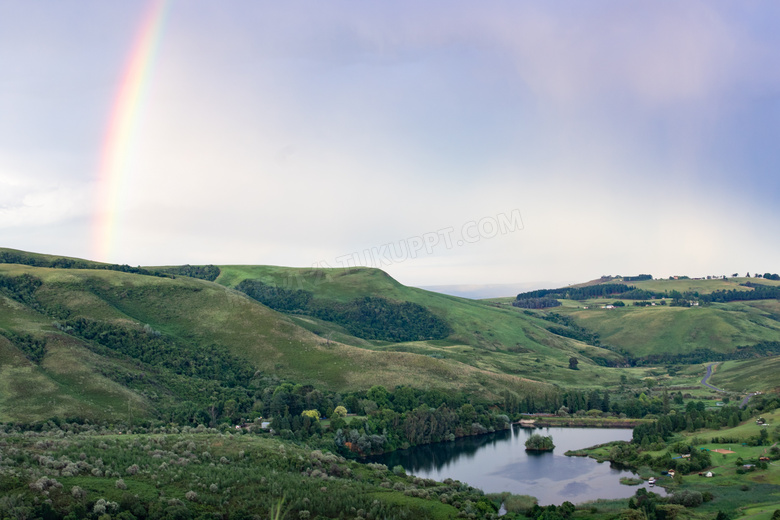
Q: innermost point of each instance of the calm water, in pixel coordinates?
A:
(498, 462)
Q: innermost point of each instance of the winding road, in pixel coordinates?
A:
(706, 377)
(705, 383)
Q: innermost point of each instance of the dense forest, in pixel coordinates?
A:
(204, 272)
(370, 317)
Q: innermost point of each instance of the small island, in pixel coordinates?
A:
(538, 442)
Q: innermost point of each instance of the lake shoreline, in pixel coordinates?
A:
(499, 462)
(579, 422)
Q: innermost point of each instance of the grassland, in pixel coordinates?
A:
(701, 286)
(753, 375)
(644, 331)
(493, 346)
(490, 338)
(491, 350)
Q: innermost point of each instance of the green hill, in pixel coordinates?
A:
(79, 338)
(657, 330)
(675, 321)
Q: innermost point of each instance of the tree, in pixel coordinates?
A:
(312, 414)
(340, 411)
(538, 442)
(573, 363)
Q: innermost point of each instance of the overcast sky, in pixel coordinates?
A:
(465, 142)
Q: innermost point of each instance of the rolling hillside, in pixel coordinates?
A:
(107, 341)
(655, 331)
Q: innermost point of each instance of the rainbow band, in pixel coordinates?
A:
(122, 125)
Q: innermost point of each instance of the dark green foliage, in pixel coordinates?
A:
(687, 498)
(200, 473)
(551, 512)
(21, 288)
(34, 349)
(630, 292)
(203, 272)
(538, 442)
(370, 317)
(536, 303)
(378, 318)
(579, 293)
(570, 329)
(151, 347)
(12, 257)
(277, 298)
(189, 384)
(638, 278)
(702, 355)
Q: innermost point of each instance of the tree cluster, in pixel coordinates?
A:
(11, 257)
(370, 317)
(538, 442)
(536, 303)
(203, 272)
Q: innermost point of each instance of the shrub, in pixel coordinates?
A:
(687, 498)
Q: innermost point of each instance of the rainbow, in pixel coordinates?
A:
(122, 123)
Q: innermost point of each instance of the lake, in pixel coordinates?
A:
(498, 462)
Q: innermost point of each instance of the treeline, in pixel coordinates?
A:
(370, 317)
(22, 289)
(151, 347)
(407, 419)
(565, 402)
(33, 348)
(277, 298)
(759, 292)
(579, 293)
(536, 303)
(571, 329)
(637, 278)
(10, 257)
(630, 292)
(378, 318)
(203, 272)
(702, 355)
(188, 384)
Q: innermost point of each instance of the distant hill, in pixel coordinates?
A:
(482, 291)
(680, 320)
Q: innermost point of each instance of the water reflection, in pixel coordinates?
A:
(498, 462)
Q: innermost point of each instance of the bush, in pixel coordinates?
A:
(687, 498)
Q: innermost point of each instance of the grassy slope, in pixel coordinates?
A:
(702, 286)
(654, 330)
(493, 346)
(487, 337)
(662, 329)
(69, 379)
(748, 376)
